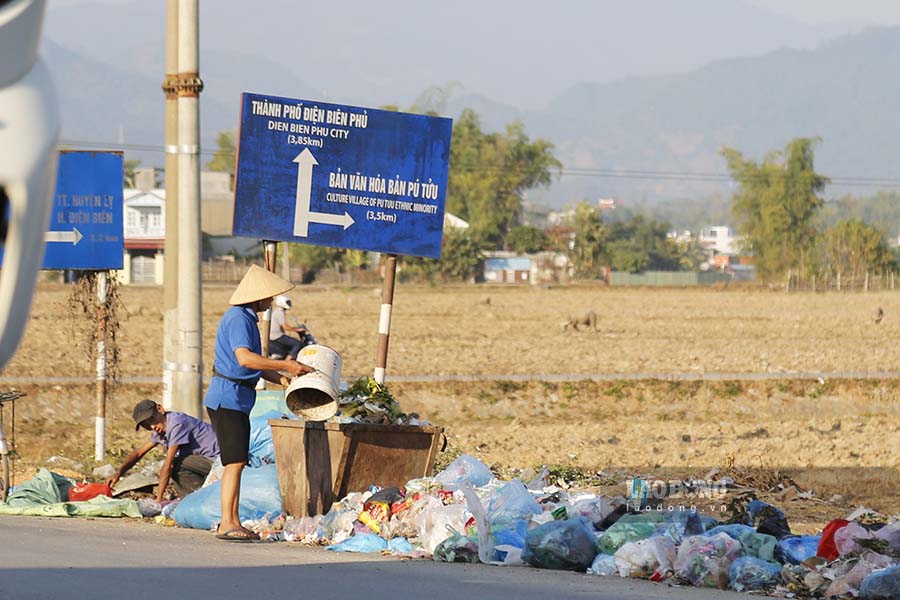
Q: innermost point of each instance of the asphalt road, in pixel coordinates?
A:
(50, 559)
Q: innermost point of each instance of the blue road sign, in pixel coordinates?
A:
(85, 229)
(341, 176)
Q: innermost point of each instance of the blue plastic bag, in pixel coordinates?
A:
(262, 448)
(260, 496)
(734, 530)
(363, 542)
(465, 469)
(881, 585)
(399, 545)
(511, 503)
(798, 548)
(748, 573)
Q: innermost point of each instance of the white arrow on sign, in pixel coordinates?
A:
(302, 215)
(72, 237)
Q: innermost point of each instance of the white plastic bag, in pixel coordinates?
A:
(437, 524)
(646, 558)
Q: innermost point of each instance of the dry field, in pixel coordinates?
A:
(836, 436)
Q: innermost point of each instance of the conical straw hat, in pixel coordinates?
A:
(259, 284)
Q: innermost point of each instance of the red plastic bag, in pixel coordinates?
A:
(85, 491)
(827, 548)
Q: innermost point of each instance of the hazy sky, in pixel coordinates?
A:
(881, 12)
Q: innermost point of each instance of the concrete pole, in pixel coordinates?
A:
(188, 378)
(170, 256)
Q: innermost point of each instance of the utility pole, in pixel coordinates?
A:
(188, 377)
(170, 255)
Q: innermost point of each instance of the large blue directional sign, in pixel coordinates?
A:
(85, 229)
(341, 176)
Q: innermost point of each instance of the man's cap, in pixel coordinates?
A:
(143, 410)
(259, 284)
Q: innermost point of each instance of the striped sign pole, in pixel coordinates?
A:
(384, 322)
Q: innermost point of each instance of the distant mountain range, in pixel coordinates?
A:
(630, 139)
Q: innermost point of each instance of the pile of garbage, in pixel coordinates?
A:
(464, 514)
(369, 401)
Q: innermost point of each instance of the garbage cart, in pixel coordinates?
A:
(319, 463)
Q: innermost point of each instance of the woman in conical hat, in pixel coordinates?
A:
(237, 367)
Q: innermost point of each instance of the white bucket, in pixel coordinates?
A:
(314, 396)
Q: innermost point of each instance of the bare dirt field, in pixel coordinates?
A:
(834, 436)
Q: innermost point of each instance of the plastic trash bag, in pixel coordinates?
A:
(437, 524)
(681, 524)
(849, 584)
(149, 507)
(512, 502)
(796, 549)
(827, 548)
(881, 585)
(399, 545)
(457, 548)
(768, 519)
(365, 542)
(845, 538)
(262, 448)
(568, 545)
(759, 545)
(704, 561)
(734, 530)
(629, 528)
(337, 525)
(595, 509)
(465, 469)
(304, 530)
(604, 565)
(652, 558)
(260, 496)
(891, 534)
(749, 573)
(44, 488)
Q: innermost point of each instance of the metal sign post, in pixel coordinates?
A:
(100, 424)
(345, 177)
(384, 321)
(86, 234)
(265, 324)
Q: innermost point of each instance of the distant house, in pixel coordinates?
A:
(144, 236)
(145, 224)
(720, 239)
(507, 269)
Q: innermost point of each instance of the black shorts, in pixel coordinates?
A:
(232, 429)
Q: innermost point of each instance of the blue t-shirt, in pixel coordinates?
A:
(192, 436)
(237, 329)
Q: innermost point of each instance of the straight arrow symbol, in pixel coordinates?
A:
(72, 237)
(305, 163)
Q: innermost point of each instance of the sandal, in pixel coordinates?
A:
(238, 535)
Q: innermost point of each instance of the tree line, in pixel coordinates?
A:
(788, 229)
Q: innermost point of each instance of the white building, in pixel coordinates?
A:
(145, 236)
(721, 239)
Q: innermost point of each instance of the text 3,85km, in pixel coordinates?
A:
(377, 215)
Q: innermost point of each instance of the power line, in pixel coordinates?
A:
(595, 172)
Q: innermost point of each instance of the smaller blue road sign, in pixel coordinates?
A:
(341, 176)
(85, 231)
